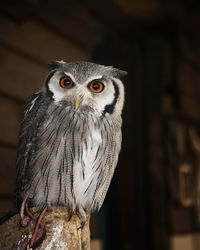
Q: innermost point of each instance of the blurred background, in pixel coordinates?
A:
(154, 199)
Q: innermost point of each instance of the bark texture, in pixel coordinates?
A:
(60, 233)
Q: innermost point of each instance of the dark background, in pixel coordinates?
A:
(157, 42)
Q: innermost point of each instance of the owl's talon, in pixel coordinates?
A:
(33, 242)
(70, 216)
(40, 239)
(82, 215)
(82, 225)
(30, 214)
(24, 219)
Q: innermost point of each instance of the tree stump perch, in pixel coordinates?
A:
(60, 233)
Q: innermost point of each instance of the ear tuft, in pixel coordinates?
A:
(56, 64)
(119, 73)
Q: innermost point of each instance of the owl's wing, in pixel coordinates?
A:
(34, 112)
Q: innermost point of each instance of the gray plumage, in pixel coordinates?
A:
(67, 154)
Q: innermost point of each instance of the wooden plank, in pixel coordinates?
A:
(189, 48)
(38, 41)
(20, 76)
(6, 205)
(190, 106)
(181, 221)
(189, 89)
(111, 17)
(67, 20)
(7, 172)
(188, 80)
(10, 115)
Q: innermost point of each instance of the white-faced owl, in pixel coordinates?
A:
(70, 137)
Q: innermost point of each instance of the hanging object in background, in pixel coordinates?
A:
(186, 184)
(195, 140)
(181, 163)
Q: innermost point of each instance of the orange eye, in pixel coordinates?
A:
(66, 82)
(96, 87)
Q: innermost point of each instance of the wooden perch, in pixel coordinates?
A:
(60, 233)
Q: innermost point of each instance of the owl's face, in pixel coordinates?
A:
(84, 84)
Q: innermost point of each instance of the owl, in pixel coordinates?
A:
(70, 137)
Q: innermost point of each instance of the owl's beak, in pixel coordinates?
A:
(78, 102)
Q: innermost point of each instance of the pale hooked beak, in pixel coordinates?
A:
(78, 102)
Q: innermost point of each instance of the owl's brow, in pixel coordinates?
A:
(97, 78)
(92, 78)
(70, 75)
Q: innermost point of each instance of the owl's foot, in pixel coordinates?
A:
(33, 242)
(82, 215)
(24, 219)
(70, 215)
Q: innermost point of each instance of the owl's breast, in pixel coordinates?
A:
(85, 167)
(74, 160)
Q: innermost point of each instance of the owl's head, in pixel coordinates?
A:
(86, 84)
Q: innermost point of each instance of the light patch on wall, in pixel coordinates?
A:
(185, 242)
